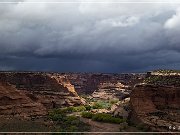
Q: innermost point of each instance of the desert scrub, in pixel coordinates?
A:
(65, 123)
(56, 114)
(102, 117)
(87, 115)
(113, 101)
(88, 107)
(166, 71)
(73, 109)
(72, 124)
(163, 80)
(79, 109)
(101, 105)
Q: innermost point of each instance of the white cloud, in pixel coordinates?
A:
(174, 21)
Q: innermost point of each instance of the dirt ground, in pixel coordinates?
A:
(107, 127)
(17, 125)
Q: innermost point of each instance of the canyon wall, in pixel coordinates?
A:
(87, 83)
(109, 90)
(156, 102)
(16, 103)
(44, 88)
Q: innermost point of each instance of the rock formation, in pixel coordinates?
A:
(157, 103)
(121, 109)
(16, 103)
(43, 88)
(111, 91)
(87, 83)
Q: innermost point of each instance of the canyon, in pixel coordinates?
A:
(44, 88)
(151, 99)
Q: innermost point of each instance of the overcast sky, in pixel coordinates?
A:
(89, 37)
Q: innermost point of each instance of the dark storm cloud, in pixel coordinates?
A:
(89, 37)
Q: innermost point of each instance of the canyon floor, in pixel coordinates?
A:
(87, 102)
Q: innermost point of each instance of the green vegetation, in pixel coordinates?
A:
(102, 117)
(97, 104)
(67, 123)
(91, 100)
(88, 107)
(57, 114)
(164, 77)
(87, 114)
(163, 80)
(79, 109)
(70, 109)
(101, 105)
(113, 101)
(64, 122)
(71, 124)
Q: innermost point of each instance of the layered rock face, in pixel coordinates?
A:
(157, 104)
(16, 103)
(87, 83)
(111, 91)
(121, 109)
(44, 88)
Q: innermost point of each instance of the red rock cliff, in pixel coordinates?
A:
(16, 103)
(156, 106)
(43, 88)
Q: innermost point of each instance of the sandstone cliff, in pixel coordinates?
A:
(157, 103)
(43, 88)
(87, 83)
(111, 91)
(16, 103)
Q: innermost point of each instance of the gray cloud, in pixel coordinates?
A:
(89, 37)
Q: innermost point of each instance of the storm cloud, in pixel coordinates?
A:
(89, 37)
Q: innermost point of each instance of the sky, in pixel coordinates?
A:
(111, 36)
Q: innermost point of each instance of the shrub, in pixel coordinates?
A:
(107, 118)
(87, 114)
(113, 101)
(67, 109)
(101, 105)
(67, 123)
(79, 109)
(73, 129)
(97, 106)
(71, 120)
(73, 109)
(88, 107)
(56, 115)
